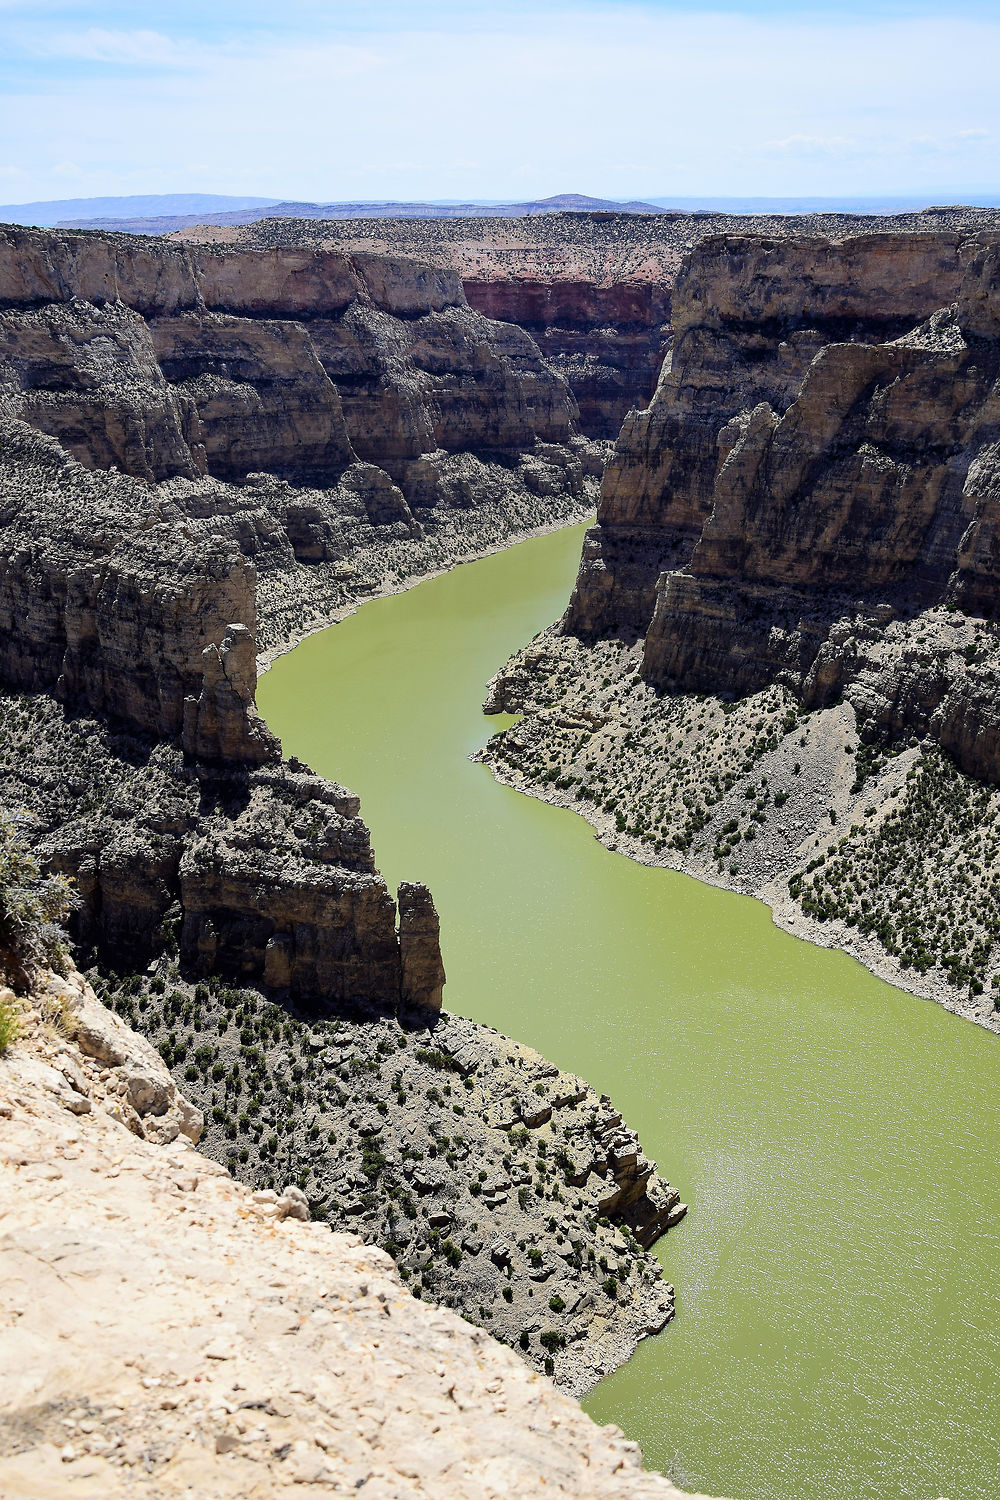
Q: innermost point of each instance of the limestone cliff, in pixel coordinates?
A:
(170, 429)
(592, 289)
(750, 316)
(778, 669)
(167, 360)
(859, 493)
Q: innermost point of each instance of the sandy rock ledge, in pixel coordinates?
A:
(164, 1331)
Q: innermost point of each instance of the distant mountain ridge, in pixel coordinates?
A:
(48, 213)
(166, 213)
(156, 221)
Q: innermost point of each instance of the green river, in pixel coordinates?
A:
(838, 1276)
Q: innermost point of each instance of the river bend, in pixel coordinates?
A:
(838, 1277)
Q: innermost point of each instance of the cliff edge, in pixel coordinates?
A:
(164, 1330)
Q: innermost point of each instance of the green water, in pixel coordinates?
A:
(837, 1140)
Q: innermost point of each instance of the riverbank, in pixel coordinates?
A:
(760, 799)
(295, 604)
(469, 547)
(835, 1139)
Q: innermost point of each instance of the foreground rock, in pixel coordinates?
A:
(778, 668)
(166, 1331)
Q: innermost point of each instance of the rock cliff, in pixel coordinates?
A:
(784, 624)
(275, 1356)
(169, 428)
(750, 317)
(180, 475)
(592, 289)
(858, 493)
(165, 360)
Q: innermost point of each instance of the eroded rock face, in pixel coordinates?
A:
(809, 471)
(108, 598)
(750, 317)
(166, 360)
(172, 419)
(420, 947)
(592, 289)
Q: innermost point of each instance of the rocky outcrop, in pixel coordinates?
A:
(420, 946)
(819, 461)
(750, 317)
(266, 1339)
(73, 1050)
(867, 497)
(108, 599)
(167, 360)
(265, 875)
(592, 289)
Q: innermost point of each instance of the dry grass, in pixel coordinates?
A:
(10, 1026)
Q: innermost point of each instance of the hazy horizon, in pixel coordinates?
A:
(513, 100)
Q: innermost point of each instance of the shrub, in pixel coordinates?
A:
(10, 1027)
(32, 905)
(556, 1304)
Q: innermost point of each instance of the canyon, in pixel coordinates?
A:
(785, 610)
(781, 631)
(592, 289)
(203, 455)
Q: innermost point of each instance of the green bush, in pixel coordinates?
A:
(10, 1027)
(32, 905)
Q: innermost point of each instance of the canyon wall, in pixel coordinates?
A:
(819, 461)
(141, 387)
(592, 289)
(166, 360)
(196, 446)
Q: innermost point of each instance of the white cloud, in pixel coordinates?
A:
(129, 47)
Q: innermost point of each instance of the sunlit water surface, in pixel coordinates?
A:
(837, 1140)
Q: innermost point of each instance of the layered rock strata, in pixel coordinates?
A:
(166, 360)
(784, 623)
(592, 289)
(751, 316)
(811, 471)
(262, 874)
(145, 389)
(138, 382)
(266, 1340)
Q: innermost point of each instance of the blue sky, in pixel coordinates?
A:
(409, 99)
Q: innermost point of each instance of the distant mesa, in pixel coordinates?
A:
(162, 214)
(54, 211)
